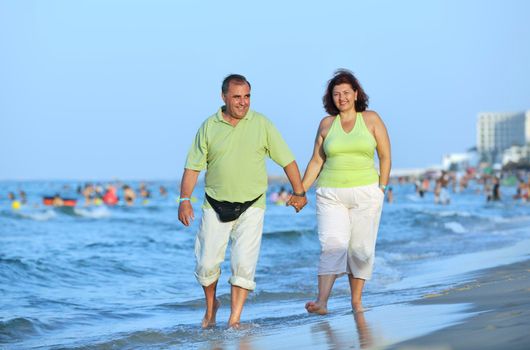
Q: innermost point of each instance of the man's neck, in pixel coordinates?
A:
(233, 121)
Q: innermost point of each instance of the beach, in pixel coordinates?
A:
(499, 298)
(491, 310)
(450, 276)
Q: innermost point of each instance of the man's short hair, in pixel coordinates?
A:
(236, 78)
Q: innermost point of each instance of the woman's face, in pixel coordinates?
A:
(344, 97)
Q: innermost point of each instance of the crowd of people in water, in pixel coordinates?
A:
(486, 183)
(443, 185)
(92, 194)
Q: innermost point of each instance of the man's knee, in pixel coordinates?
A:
(207, 272)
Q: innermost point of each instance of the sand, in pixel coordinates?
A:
(501, 298)
(491, 310)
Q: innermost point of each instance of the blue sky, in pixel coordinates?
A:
(117, 89)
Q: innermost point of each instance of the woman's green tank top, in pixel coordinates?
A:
(349, 156)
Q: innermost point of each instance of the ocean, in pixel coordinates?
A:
(121, 277)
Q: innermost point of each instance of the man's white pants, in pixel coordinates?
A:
(348, 221)
(212, 240)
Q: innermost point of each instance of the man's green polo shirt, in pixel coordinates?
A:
(234, 157)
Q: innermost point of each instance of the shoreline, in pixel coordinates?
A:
(482, 309)
(500, 299)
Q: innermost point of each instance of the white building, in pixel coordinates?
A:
(516, 154)
(459, 161)
(497, 132)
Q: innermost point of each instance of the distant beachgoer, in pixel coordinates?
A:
(98, 195)
(350, 192)
(418, 187)
(232, 146)
(57, 201)
(15, 204)
(389, 194)
(23, 197)
(88, 194)
(425, 185)
(495, 194)
(110, 197)
(525, 192)
(163, 191)
(129, 195)
(441, 194)
(283, 195)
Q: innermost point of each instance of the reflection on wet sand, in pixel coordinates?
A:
(232, 341)
(363, 330)
(337, 339)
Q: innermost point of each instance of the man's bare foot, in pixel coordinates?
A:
(209, 320)
(357, 308)
(316, 308)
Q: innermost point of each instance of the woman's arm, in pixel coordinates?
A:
(383, 149)
(319, 157)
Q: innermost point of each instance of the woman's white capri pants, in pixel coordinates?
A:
(348, 221)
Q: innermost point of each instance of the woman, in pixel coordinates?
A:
(350, 192)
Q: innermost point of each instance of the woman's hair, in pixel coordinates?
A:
(344, 76)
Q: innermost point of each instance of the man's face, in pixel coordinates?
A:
(237, 100)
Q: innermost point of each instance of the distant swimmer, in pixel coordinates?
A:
(494, 194)
(441, 194)
(389, 195)
(129, 195)
(23, 197)
(15, 204)
(57, 201)
(88, 193)
(145, 194)
(110, 197)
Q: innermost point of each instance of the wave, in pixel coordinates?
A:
(95, 213)
(180, 336)
(257, 297)
(288, 233)
(455, 227)
(18, 328)
(37, 216)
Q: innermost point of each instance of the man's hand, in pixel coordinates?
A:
(186, 215)
(298, 202)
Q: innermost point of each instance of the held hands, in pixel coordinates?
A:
(297, 202)
(186, 215)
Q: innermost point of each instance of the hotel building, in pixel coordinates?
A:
(496, 132)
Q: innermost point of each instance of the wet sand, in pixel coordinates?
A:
(500, 297)
(491, 310)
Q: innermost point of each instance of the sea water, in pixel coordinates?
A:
(102, 277)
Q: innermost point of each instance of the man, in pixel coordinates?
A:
(232, 146)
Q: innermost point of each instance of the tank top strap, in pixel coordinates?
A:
(360, 119)
(334, 125)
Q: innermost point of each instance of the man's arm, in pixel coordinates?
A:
(189, 180)
(298, 200)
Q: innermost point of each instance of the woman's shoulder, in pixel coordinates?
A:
(369, 114)
(371, 117)
(327, 121)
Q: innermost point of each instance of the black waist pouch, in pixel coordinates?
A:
(229, 211)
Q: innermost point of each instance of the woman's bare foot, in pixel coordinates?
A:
(209, 318)
(234, 325)
(314, 307)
